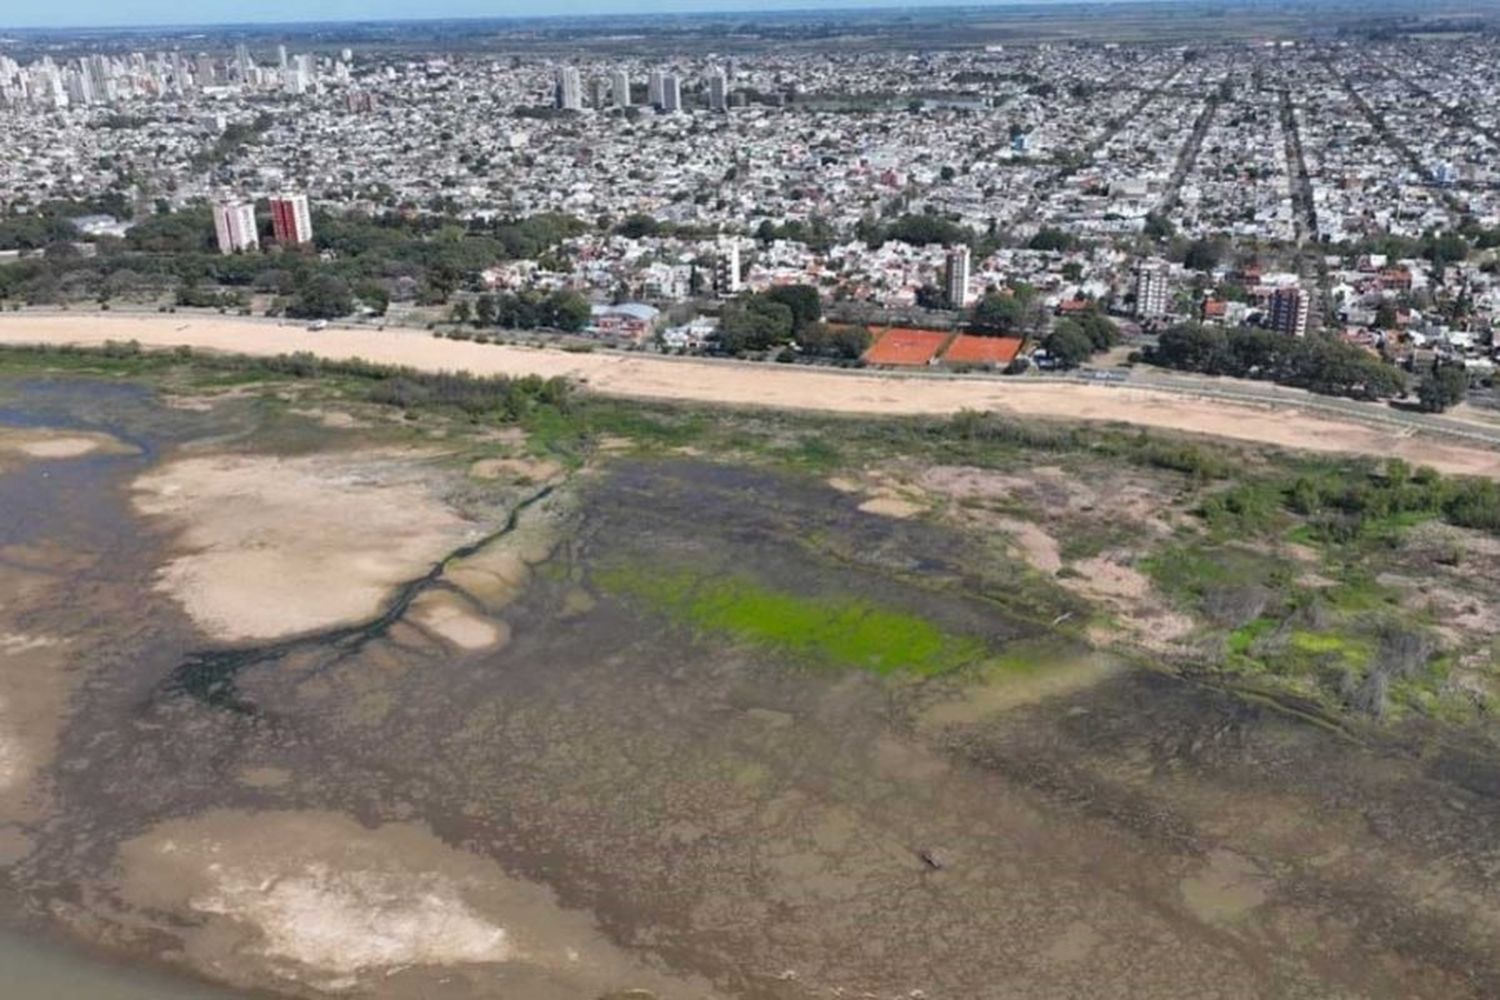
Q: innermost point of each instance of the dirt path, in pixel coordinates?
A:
(650, 377)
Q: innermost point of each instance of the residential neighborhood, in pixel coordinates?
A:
(1304, 187)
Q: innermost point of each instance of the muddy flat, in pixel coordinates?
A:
(305, 707)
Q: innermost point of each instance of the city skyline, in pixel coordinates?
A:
(32, 15)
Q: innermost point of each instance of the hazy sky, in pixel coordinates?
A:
(95, 13)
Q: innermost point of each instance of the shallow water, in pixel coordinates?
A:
(37, 970)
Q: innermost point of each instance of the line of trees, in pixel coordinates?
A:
(564, 309)
(1321, 365)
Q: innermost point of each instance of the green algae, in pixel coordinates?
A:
(832, 630)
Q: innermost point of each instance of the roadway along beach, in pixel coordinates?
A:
(734, 384)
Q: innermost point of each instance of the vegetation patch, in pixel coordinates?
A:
(836, 631)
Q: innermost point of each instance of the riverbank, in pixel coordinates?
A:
(1306, 427)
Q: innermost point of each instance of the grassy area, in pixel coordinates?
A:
(834, 631)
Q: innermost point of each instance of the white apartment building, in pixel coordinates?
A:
(1153, 292)
(569, 93)
(956, 277)
(234, 224)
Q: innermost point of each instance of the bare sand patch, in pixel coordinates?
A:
(1228, 886)
(274, 546)
(53, 443)
(1035, 546)
(1006, 690)
(450, 618)
(1103, 577)
(11, 761)
(1296, 423)
(332, 419)
(264, 777)
(533, 470)
(34, 689)
(317, 899)
(890, 506)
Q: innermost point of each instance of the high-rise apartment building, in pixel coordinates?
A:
(718, 90)
(619, 88)
(1289, 311)
(727, 268)
(671, 92)
(654, 87)
(234, 224)
(1153, 292)
(956, 277)
(291, 220)
(569, 89)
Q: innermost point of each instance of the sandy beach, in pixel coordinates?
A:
(649, 377)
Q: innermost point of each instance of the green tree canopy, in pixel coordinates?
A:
(1445, 387)
(1068, 345)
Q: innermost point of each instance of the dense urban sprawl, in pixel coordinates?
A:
(1048, 199)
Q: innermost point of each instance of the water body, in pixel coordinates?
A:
(37, 970)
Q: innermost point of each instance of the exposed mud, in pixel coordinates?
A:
(499, 777)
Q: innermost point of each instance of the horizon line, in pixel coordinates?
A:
(803, 7)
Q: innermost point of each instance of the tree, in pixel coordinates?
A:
(1447, 248)
(753, 324)
(1055, 240)
(997, 314)
(1159, 227)
(1257, 354)
(921, 230)
(1068, 345)
(1194, 348)
(460, 312)
(323, 296)
(843, 342)
(1099, 328)
(802, 300)
(637, 226)
(484, 310)
(930, 296)
(1201, 255)
(1445, 387)
(1386, 316)
(567, 310)
(374, 296)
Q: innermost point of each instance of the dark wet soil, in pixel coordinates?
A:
(781, 829)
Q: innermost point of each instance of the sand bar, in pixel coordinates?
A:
(649, 377)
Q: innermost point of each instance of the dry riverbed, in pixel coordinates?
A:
(417, 708)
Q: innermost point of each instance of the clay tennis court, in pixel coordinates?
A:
(970, 350)
(905, 346)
